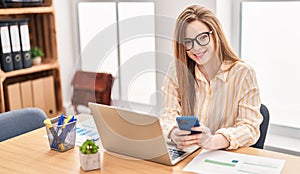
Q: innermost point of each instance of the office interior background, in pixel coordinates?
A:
(264, 33)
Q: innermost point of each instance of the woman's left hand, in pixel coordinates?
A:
(211, 142)
(205, 136)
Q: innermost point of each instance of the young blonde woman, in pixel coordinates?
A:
(208, 80)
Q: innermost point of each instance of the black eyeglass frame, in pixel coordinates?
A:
(195, 39)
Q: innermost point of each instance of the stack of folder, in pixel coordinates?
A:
(20, 3)
(14, 44)
(36, 92)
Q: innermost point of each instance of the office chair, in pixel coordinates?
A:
(17, 122)
(263, 127)
(91, 87)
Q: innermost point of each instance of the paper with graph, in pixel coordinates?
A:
(86, 130)
(211, 162)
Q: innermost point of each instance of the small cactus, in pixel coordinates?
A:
(89, 147)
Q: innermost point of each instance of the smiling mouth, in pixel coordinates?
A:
(200, 54)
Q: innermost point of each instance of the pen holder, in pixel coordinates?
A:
(61, 137)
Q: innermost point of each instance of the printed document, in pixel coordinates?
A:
(218, 161)
(86, 130)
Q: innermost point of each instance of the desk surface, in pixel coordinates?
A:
(30, 153)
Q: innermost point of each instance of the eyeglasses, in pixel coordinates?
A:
(201, 39)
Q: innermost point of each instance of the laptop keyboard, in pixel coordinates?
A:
(174, 153)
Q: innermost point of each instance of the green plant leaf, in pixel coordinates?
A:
(36, 52)
(89, 147)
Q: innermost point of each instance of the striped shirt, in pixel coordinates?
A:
(228, 105)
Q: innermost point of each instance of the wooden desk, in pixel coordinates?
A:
(30, 153)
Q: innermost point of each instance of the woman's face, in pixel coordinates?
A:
(199, 32)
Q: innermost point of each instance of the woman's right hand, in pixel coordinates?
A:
(183, 139)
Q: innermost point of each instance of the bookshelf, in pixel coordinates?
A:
(42, 34)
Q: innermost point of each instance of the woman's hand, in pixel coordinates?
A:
(211, 142)
(183, 139)
(205, 136)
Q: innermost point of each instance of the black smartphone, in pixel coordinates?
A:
(187, 122)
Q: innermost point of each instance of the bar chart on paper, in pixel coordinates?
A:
(209, 162)
(86, 130)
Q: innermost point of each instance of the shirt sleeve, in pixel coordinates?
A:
(245, 131)
(171, 103)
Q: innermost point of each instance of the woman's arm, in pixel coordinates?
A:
(171, 103)
(245, 131)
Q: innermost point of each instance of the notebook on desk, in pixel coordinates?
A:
(135, 134)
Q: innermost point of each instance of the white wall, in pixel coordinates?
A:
(66, 46)
(224, 14)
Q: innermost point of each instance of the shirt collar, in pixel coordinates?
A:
(199, 74)
(222, 73)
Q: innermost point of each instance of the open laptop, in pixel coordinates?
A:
(135, 134)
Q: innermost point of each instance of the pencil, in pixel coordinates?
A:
(48, 123)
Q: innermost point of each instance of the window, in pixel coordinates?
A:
(118, 37)
(270, 43)
(137, 58)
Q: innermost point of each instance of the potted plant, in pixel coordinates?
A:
(89, 156)
(36, 55)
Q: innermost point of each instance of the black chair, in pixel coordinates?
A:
(263, 127)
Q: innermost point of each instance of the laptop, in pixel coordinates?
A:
(135, 134)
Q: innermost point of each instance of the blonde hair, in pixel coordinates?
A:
(185, 67)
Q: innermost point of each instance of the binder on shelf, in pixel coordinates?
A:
(15, 44)
(5, 50)
(43, 94)
(14, 96)
(20, 3)
(49, 96)
(38, 93)
(25, 43)
(26, 94)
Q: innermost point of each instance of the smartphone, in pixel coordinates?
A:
(187, 122)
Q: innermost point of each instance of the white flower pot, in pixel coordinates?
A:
(36, 60)
(89, 161)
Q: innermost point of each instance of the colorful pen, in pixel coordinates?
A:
(59, 127)
(48, 123)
